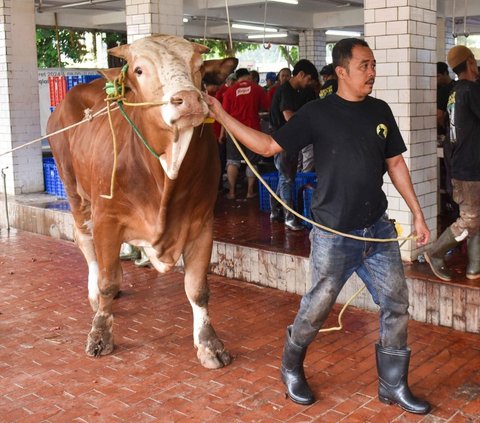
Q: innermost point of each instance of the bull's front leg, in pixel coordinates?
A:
(100, 338)
(210, 349)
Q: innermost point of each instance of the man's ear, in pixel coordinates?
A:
(341, 72)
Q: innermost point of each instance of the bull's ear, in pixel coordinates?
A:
(111, 73)
(200, 48)
(120, 51)
(216, 71)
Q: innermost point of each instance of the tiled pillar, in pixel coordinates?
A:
(402, 35)
(312, 46)
(147, 17)
(19, 109)
(445, 40)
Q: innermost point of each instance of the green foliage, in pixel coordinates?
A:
(220, 48)
(290, 54)
(71, 45)
(112, 39)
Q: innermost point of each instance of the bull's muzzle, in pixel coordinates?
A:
(185, 108)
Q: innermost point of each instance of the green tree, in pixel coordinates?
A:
(50, 42)
(290, 54)
(220, 48)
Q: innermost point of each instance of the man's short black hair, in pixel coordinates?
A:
(307, 67)
(241, 72)
(342, 51)
(327, 70)
(442, 68)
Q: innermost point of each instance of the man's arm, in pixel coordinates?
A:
(256, 141)
(400, 176)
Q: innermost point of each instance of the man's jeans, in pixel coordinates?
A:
(286, 165)
(333, 259)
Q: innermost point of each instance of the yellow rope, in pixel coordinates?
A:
(340, 325)
(114, 142)
(306, 219)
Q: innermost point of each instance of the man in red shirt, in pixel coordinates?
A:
(243, 100)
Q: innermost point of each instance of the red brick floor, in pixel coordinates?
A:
(153, 374)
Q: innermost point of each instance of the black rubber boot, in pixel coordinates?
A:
(276, 211)
(292, 223)
(436, 253)
(392, 367)
(473, 248)
(292, 372)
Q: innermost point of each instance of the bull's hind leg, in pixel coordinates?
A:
(100, 338)
(210, 350)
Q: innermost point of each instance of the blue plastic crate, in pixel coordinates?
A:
(307, 194)
(302, 179)
(53, 183)
(272, 180)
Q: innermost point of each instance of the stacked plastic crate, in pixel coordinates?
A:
(302, 191)
(58, 87)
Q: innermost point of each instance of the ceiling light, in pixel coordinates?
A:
(254, 27)
(343, 33)
(286, 1)
(185, 20)
(259, 36)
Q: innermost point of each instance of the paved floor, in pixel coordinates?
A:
(153, 374)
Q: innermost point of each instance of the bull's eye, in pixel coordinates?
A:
(138, 70)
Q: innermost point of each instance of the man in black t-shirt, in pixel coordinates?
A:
(330, 84)
(444, 87)
(289, 98)
(356, 140)
(464, 137)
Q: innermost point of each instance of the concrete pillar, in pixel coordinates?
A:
(312, 46)
(445, 40)
(402, 35)
(147, 17)
(19, 108)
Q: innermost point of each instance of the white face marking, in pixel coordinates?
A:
(169, 66)
(200, 319)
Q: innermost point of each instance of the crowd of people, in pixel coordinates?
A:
(268, 108)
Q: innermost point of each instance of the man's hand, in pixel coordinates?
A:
(421, 231)
(215, 109)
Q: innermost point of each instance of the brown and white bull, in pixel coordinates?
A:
(163, 204)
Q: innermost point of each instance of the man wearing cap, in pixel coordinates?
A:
(463, 134)
(270, 79)
(329, 81)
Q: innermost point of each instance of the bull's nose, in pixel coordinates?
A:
(185, 97)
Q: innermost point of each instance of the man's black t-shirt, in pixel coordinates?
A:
(464, 132)
(351, 141)
(287, 98)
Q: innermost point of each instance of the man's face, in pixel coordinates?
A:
(305, 80)
(284, 76)
(359, 75)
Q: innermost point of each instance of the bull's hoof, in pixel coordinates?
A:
(215, 359)
(97, 345)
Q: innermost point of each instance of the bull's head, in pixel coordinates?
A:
(168, 69)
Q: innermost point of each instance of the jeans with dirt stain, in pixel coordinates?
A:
(333, 259)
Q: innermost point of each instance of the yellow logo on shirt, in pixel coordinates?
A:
(382, 131)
